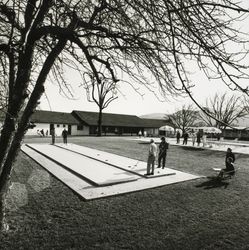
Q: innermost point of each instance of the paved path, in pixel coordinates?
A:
(237, 147)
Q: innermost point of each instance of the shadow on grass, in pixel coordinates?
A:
(213, 182)
(190, 148)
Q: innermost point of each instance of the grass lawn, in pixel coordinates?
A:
(199, 214)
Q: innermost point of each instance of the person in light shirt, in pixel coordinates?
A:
(151, 158)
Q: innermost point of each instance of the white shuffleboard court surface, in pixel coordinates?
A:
(111, 184)
(96, 172)
(125, 163)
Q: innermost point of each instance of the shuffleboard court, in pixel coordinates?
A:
(88, 191)
(128, 164)
(96, 172)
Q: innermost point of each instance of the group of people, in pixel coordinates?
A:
(196, 138)
(163, 147)
(162, 154)
(140, 134)
(64, 135)
(41, 133)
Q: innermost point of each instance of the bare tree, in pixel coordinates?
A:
(184, 118)
(102, 94)
(226, 109)
(128, 37)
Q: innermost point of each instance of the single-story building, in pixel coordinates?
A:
(239, 131)
(152, 126)
(117, 124)
(86, 123)
(46, 120)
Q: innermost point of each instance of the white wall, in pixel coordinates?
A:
(39, 126)
(58, 130)
(45, 127)
(74, 130)
(152, 131)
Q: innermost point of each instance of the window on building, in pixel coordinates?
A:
(64, 125)
(80, 127)
(58, 125)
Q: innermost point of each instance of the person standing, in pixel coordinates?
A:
(185, 138)
(151, 158)
(163, 147)
(42, 132)
(140, 133)
(198, 138)
(178, 135)
(64, 135)
(193, 138)
(52, 132)
(204, 140)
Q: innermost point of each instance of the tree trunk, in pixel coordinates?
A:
(6, 138)
(15, 145)
(100, 122)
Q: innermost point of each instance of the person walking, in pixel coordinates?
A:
(178, 135)
(151, 158)
(163, 147)
(64, 135)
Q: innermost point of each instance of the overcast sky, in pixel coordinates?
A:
(131, 103)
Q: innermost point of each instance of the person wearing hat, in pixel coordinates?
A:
(151, 158)
(163, 147)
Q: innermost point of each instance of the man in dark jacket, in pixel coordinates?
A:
(178, 135)
(64, 135)
(185, 138)
(163, 147)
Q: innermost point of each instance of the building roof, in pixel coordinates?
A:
(91, 119)
(156, 116)
(108, 119)
(153, 123)
(42, 116)
(119, 120)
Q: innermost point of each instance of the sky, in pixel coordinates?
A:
(130, 102)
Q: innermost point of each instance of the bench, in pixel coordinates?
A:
(225, 174)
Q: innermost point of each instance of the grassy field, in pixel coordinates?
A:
(199, 214)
